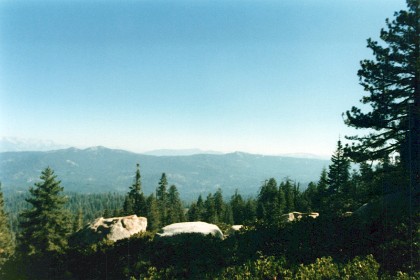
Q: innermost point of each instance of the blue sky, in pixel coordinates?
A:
(266, 77)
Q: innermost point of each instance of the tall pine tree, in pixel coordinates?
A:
(46, 225)
(162, 199)
(339, 170)
(338, 180)
(392, 80)
(238, 208)
(320, 202)
(210, 214)
(268, 207)
(153, 216)
(219, 204)
(287, 193)
(135, 202)
(175, 209)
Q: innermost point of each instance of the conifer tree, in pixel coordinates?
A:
(162, 199)
(339, 171)
(281, 198)
(135, 202)
(210, 214)
(200, 207)
(227, 215)
(391, 80)
(6, 238)
(107, 213)
(193, 213)
(268, 207)
(153, 216)
(45, 226)
(249, 211)
(238, 208)
(320, 203)
(311, 194)
(289, 196)
(196, 212)
(175, 209)
(338, 181)
(219, 204)
(128, 207)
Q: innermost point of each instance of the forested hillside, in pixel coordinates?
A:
(99, 170)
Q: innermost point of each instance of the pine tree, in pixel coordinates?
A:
(128, 207)
(107, 213)
(196, 212)
(249, 211)
(227, 215)
(289, 196)
(210, 214)
(6, 237)
(162, 199)
(338, 181)
(392, 82)
(200, 207)
(175, 209)
(193, 213)
(45, 226)
(310, 195)
(153, 216)
(281, 197)
(268, 207)
(135, 202)
(339, 170)
(320, 203)
(238, 208)
(219, 204)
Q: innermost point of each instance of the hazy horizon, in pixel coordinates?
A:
(14, 144)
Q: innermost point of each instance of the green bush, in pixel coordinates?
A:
(262, 268)
(323, 268)
(361, 268)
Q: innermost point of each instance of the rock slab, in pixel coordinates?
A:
(191, 227)
(114, 229)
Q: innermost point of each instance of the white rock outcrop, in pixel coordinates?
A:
(112, 229)
(191, 227)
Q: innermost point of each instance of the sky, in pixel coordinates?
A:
(267, 77)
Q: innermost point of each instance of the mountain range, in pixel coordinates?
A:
(100, 169)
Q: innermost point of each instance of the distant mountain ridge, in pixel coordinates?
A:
(15, 144)
(181, 152)
(99, 169)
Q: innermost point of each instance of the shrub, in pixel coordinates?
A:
(361, 268)
(323, 268)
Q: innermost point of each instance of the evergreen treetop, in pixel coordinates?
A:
(175, 209)
(135, 202)
(339, 170)
(45, 226)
